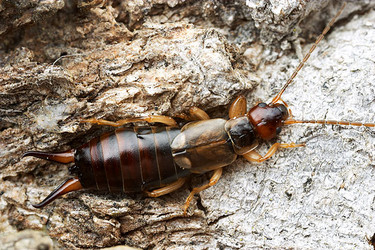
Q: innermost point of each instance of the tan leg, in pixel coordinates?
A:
(198, 114)
(167, 189)
(169, 121)
(99, 122)
(214, 179)
(256, 157)
(238, 107)
(195, 114)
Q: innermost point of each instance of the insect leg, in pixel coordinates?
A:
(100, 122)
(198, 114)
(167, 189)
(238, 107)
(254, 156)
(169, 121)
(195, 114)
(214, 179)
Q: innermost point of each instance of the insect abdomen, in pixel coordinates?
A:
(129, 160)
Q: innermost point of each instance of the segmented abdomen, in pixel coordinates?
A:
(129, 160)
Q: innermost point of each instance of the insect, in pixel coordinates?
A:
(157, 159)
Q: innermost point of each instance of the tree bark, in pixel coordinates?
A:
(62, 62)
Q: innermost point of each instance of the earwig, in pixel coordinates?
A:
(157, 159)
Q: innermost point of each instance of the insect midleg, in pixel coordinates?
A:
(254, 156)
(195, 114)
(198, 114)
(214, 179)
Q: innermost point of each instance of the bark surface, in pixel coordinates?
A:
(63, 61)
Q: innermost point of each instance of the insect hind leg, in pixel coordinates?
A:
(167, 189)
(169, 121)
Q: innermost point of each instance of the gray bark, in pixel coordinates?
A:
(65, 61)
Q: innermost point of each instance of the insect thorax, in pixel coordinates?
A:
(241, 134)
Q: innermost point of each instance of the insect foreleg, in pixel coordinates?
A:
(238, 107)
(254, 156)
(195, 114)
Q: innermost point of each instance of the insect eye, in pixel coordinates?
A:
(262, 105)
(278, 130)
(284, 111)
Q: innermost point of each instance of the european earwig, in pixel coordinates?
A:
(157, 159)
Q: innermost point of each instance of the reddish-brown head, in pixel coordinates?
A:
(267, 119)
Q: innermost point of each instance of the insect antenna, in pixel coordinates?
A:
(302, 63)
(330, 122)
